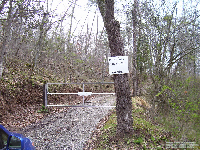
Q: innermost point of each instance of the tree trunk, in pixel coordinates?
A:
(122, 89)
(135, 70)
(40, 40)
(69, 49)
(6, 33)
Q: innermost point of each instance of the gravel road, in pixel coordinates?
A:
(69, 130)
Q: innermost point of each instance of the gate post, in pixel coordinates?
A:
(45, 95)
(83, 95)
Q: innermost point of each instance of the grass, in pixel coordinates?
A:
(182, 130)
(146, 134)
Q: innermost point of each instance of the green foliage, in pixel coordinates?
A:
(165, 87)
(43, 110)
(146, 135)
(184, 109)
(138, 141)
(167, 18)
(111, 123)
(19, 2)
(79, 61)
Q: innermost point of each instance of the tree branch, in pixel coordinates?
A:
(2, 5)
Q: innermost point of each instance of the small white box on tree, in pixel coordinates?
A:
(118, 65)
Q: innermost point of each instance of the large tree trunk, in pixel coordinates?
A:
(122, 89)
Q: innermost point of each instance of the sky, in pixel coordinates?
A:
(85, 15)
(82, 15)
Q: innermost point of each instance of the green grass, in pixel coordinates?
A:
(180, 128)
(146, 134)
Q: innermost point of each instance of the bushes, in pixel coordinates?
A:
(178, 107)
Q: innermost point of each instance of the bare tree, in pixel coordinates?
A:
(135, 72)
(70, 28)
(6, 33)
(42, 33)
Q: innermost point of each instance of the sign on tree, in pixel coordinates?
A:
(118, 65)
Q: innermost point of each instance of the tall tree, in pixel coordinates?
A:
(122, 89)
(135, 74)
(6, 33)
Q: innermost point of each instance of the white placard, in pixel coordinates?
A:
(118, 65)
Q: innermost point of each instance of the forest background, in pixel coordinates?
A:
(37, 45)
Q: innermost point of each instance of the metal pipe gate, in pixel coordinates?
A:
(45, 93)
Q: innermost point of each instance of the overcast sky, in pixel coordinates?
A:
(85, 14)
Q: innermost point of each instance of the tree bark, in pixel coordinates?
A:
(135, 70)
(122, 89)
(2, 5)
(40, 40)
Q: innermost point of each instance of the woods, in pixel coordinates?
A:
(161, 39)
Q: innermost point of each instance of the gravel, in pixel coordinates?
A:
(71, 129)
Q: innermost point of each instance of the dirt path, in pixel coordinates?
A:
(71, 129)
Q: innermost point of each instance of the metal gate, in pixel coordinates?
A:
(46, 93)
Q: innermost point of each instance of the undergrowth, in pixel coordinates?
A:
(147, 134)
(21, 94)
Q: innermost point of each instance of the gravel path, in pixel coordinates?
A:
(71, 129)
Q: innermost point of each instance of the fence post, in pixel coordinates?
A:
(45, 95)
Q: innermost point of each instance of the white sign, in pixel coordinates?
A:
(118, 65)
